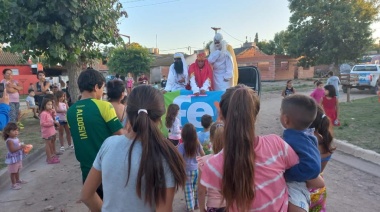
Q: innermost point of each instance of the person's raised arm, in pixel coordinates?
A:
(88, 194)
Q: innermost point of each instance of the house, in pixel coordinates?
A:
(271, 67)
(22, 71)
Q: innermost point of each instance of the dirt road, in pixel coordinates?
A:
(58, 186)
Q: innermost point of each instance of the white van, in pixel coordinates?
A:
(368, 76)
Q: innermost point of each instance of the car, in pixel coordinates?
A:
(367, 76)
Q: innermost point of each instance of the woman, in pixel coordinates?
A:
(41, 87)
(249, 170)
(139, 171)
(116, 94)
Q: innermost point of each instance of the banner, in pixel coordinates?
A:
(192, 108)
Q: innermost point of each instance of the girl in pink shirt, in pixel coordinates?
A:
(47, 121)
(61, 108)
(249, 171)
(319, 92)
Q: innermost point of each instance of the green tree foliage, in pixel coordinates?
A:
(256, 38)
(268, 47)
(134, 58)
(68, 32)
(330, 31)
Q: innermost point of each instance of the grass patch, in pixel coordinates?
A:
(31, 134)
(360, 123)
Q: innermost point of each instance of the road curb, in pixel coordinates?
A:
(27, 161)
(358, 152)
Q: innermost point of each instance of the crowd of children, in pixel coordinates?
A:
(220, 170)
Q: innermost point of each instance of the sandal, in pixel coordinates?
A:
(22, 182)
(53, 161)
(16, 186)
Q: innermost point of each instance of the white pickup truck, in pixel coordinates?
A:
(366, 75)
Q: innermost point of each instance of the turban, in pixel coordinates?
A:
(218, 37)
(178, 55)
(201, 56)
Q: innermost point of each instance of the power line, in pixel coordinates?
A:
(232, 36)
(146, 5)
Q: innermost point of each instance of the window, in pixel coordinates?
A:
(263, 66)
(284, 65)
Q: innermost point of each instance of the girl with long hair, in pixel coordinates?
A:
(330, 104)
(139, 171)
(116, 94)
(190, 149)
(48, 122)
(323, 132)
(61, 108)
(173, 124)
(246, 171)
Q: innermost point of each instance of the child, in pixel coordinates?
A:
(204, 136)
(190, 149)
(30, 102)
(214, 197)
(289, 90)
(61, 109)
(54, 115)
(378, 89)
(47, 122)
(330, 104)
(297, 114)
(15, 154)
(322, 131)
(319, 92)
(334, 81)
(173, 124)
(242, 167)
(130, 82)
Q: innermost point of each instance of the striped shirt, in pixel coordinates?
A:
(273, 157)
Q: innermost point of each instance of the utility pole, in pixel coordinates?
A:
(216, 29)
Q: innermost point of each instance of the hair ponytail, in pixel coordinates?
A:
(239, 107)
(156, 149)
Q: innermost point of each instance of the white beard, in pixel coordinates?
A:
(222, 46)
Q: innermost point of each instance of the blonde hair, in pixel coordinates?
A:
(216, 136)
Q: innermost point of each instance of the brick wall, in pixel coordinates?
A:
(304, 73)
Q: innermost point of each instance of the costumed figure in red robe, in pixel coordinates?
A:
(200, 74)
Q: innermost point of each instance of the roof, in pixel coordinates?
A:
(162, 60)
(7, 58)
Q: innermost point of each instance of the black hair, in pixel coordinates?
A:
(117, 75)
(30, 90)
(44, 102)
(323, 127)
(5, 70)
(206, 121)
(331, 89)
(90, 78)
(115, 89)
(301, 109)
(7, 129)
(40, 72)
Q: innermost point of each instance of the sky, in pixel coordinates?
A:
(185, 25)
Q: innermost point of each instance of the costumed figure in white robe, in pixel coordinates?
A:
(178, 74)
(222, 62)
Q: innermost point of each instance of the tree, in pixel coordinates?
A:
(281, 42)
(256, 38)
(69, 32)
(268, 47)
(134, 58)
(330, 31)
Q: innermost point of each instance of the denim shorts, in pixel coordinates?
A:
(299, 195)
